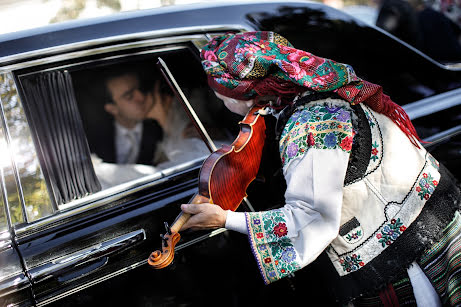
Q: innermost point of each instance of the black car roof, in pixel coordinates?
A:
(181, 16)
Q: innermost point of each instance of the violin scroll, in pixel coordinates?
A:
(161, 259)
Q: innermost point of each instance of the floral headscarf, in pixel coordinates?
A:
(252, 64)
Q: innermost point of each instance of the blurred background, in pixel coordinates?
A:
(26, 14)
(424, 24)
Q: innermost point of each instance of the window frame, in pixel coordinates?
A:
(152, 46)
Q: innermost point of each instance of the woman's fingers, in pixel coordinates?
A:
(204, 216)
(192, 208)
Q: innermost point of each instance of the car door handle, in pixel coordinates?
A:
(98, 251)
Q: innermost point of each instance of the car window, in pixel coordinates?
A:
(5, 161)
(82, 117)
(405, 75)
(168, 137)
(427, 25)
(20, 151)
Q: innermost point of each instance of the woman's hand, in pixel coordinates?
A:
(160, 106)
(204, 216)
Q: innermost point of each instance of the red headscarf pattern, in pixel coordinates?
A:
(247, 65)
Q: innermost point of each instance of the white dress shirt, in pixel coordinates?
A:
(127, 143)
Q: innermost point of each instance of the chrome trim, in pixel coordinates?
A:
(135, 36)
(79, 54)
(454, 66)
(442, 136)
(121, 56)
(106, 196)
(121, 271)
(18, 131)
(12, 165)
(3, 189)
(4, 200)
(98, 251)
(90, 284)
(134, 185)
(13, 284)
(433, 104)
(5, 240)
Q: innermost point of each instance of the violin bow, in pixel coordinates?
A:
(185, 103)
(161, 65)
(161, 259)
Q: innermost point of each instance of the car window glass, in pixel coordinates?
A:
(34, 190)
(405, 75)
(112, 95)
(4, 163)
(427, 25)
(3, 222)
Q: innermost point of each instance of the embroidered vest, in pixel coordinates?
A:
(397, 199)
(379, 205)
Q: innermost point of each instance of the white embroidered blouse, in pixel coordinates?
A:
(315, 147)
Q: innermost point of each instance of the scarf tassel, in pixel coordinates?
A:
(398, 115)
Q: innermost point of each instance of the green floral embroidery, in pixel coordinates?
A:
(354, 236)
(426, 186)
(272, 248)
(370, 120)
(374, 152)
(434, 162)
(390, 232)
(351, 263)
(319, 127)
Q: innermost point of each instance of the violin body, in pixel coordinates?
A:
(227, 172)
(223, 180)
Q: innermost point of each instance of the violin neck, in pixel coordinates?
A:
(182, 218)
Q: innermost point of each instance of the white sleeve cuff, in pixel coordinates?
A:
(236, 221)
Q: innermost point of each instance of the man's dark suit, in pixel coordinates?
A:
(103, 142)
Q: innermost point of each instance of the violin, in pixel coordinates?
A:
(223, 179)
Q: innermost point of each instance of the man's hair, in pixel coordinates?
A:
(113, 73)
(146, 77)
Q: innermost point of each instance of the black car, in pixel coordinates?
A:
(77, 229)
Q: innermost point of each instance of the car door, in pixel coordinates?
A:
(85, 219)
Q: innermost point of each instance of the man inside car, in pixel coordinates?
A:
(133, 136)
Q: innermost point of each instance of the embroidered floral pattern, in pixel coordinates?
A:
(426, 186)
(377, 145)
(316, 126)
(433, 161)
(254, 55)
(370, 120)
(354, 236)
(272, 248)
(387, 231)
(351, 263)
(390, 232)
(374, 151)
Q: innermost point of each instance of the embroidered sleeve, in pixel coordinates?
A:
(272, 248)
(289, 238)
(319, 127)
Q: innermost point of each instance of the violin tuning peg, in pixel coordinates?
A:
(164, 240)
(167, 228)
